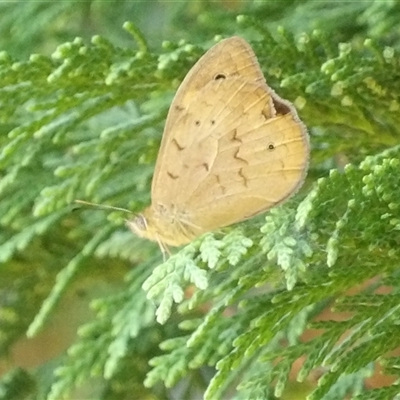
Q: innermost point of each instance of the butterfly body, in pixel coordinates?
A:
(231, 149)
(165, 225)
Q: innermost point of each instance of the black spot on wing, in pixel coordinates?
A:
(219, 76)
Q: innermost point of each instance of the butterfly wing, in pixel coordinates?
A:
(232, 58)
(240, 160)
(259, 164)
(230, 150)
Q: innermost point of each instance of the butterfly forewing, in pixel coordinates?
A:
(232, 57)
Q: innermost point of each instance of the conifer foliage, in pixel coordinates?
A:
(303, 299)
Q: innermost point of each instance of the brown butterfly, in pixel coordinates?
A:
(231, 149)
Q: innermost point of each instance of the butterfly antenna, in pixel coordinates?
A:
(103, 206)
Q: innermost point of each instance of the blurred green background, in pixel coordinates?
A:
(31, 266)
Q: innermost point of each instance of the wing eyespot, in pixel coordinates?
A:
(271, 147)
(219, 76)
(197, 123)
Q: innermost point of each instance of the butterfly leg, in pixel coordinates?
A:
(164, 249)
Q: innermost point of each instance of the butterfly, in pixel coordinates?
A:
(231, 149)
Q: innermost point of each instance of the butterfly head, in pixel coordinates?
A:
(140, 227)
(160, 226)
